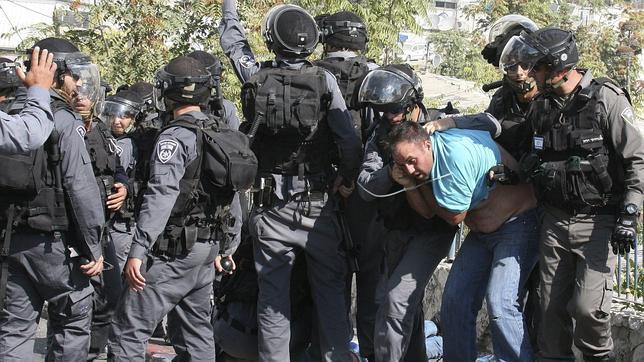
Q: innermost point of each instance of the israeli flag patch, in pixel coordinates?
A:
(166, 149)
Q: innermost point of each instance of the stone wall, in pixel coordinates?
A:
(627, 321)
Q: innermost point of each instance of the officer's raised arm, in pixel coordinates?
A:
(235, 44)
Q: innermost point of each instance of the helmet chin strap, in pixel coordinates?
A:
(552, 86)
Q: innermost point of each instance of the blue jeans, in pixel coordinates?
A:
(495, 266)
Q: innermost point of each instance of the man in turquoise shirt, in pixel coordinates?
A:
(445, 174)
(466, 156)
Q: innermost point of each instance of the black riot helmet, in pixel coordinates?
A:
(290, 31)
(394, 88)
(213, 66)
(502, 31)
(343, 30)
(184, 81)
(553, 48)
(145, 91)
(120, 112)
(69, 59)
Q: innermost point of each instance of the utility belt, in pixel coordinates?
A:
(576, 184)
(263, 192)
(179, 240)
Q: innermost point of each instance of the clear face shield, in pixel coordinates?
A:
(88, 81)
(384, 90)
(518, 60)
(119, 116)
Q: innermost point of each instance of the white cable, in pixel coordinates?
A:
(401, 190)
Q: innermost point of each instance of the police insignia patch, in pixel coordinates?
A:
(166, 149)
(628, 116)
(246, 61)
(81, 131)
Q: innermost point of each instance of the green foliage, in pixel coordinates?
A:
(549, 12)
(461, 53)
(131, 39)
(384, 19)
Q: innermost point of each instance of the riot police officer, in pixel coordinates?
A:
(345, 38)
(225, 111)
(586, 159)
(120, 113)
(170, 267)
(510, 102)
(53, 218)
(295, 211)
(413, 245)
(112, 183)
(30, 128)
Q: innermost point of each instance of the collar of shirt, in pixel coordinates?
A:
(290, 63)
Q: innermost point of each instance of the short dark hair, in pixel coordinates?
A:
(406, 131)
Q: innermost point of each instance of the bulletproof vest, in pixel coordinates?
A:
(101, 147)
(514, 130)
(287, 110)
(32, 196)
(349, 73)
(200, 208)
(574, 170)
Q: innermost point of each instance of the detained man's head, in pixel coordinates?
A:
(411, 149)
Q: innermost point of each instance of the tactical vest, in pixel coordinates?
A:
(32, 196)
(574, 173)
(101, 147)
(515, 131)
(200, 209)
(350, 73)
(287, 110)
(143, 137)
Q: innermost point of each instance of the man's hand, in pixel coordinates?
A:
(397, 174)
(624, 234)
(340, 185)
(116, 200)
(42, 69)
(220, 269)
(93, 268)
(133, 275)
(438, 125)
(502, 174)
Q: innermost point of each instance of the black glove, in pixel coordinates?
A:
(624, 235)
(503, 175)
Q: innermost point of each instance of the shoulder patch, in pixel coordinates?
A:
(166, 149)
(247, 61)
(628, 116)
(81, 132)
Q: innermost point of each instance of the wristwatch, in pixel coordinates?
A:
(631, 209)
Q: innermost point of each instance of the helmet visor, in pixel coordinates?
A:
(518, 57)
(508, 22)
(118, 116)
(89, 78)
(384, 89)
